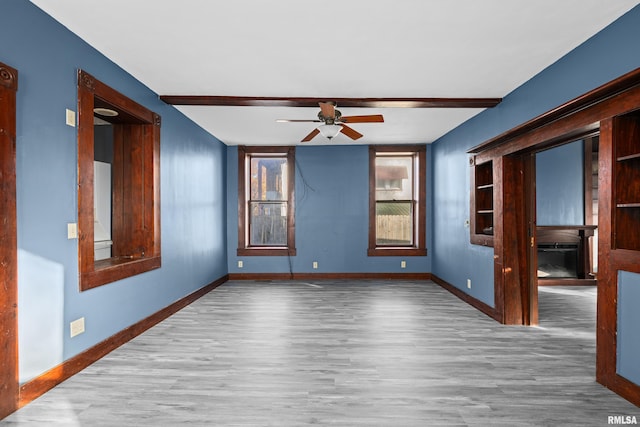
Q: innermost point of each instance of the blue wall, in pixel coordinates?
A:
(199, 188)
(332, 216)
(454, 258)
(193, 197)
(628, 337)
(600, 59)
(560, 185)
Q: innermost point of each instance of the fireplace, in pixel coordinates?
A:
(564, 255)
(556, 261)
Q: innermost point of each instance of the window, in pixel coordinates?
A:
(397, 205)
(118, 185)
(265, 201)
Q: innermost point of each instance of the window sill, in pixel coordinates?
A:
(113, 269)
(398, 251)
(266, 252)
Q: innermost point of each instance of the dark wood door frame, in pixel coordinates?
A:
(576, 119)
(9, 388)
(531, 253)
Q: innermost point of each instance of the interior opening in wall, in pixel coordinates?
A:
(102, 185)
(566, 193)
(110, 123)
(118, 185)
(565, 184)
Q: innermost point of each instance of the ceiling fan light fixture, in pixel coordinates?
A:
(329, 131)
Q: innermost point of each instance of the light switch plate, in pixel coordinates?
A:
(72, 231)
(71, 118)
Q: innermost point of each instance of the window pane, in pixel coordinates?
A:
(394, 178)
(394, 223)
(268, 178)
(268, 224)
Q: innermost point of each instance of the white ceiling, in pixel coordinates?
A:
(348, 49)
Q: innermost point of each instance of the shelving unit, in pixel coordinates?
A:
(482, 203)
(626, 145)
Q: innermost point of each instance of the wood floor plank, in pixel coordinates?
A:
(343, 353)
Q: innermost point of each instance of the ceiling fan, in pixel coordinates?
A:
(334, 122)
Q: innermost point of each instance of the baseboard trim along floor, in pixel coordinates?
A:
(36, 387)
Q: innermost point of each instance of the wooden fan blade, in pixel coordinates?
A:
(297, 121)
(328, 109)
(350, 132)
(373, 118)
(311, 135)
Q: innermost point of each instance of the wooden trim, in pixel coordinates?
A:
(8, 243)
(243, 248)
(122, 102)
(597, 95)
(599, 110)
(255, 251)
(625, 388)
(399, 251)
(606, 329)
(8, 77)
(329, 276)
(567, 282)
(515, 241)
(45, 382)
(421, 215)
(498, 237)
(474, 302)
(530, 267)
(587, 175)
(258, 101)
(136, 183)
(372, 199)
(108, 271)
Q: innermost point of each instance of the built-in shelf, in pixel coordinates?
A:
(628, 157)
(485, 187)
(482, 203)
(626, 194)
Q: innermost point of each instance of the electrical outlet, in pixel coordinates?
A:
(72, 231)
(468, 283)
(315, 264)
(71, 118)
(403, 264)
(240, 264)
(76, 327)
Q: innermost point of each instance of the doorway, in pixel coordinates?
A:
(9, 387)
(560, 213)
(564, 219)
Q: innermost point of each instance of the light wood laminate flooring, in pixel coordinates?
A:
(343, 353)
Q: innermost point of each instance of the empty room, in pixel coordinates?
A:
(366, 213)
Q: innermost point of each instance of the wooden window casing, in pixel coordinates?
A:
(245, 248)
(135, 191)
(418, 246)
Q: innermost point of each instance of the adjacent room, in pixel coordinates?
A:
(413, 213)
